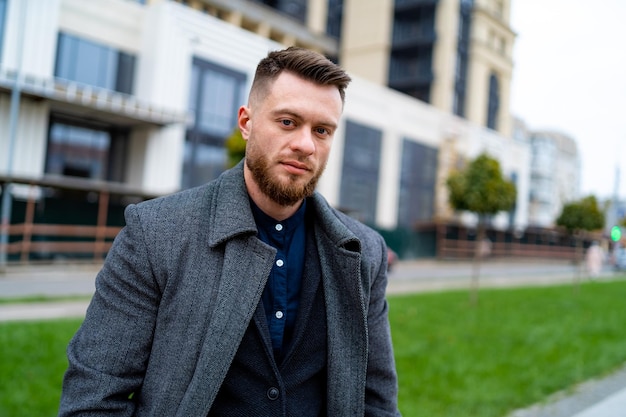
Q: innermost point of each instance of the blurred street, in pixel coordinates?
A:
(77, 280)
(434, 275)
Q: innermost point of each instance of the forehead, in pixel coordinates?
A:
(289, 89)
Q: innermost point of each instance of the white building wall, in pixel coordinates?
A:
(116, 23)
(29, 45)
(30, 33)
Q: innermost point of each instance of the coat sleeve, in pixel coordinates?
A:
(381, 390)
(108, 354)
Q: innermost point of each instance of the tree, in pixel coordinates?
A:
(481, 189)
(236, 147)
(579, 217)
(582, 215)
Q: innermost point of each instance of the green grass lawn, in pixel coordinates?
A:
(32, 358)
(513, 349)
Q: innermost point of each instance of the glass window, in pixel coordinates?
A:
(418, 174)
(334, 18)
(360, 171)
(84, 150)
(294, 8)
(219, 95)
(94, 64)
(463, 38)
(214, 97)
(494, 102)
(3, 9)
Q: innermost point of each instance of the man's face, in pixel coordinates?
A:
(289, 134)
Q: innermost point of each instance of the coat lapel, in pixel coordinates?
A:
(340, 261)
(246, 267)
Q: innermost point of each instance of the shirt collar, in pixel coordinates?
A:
(269, 223)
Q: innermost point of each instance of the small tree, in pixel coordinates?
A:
(578, 218)
(236, 147)
(481, 189)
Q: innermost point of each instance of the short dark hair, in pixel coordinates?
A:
(309, 65)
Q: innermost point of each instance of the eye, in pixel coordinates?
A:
(287, 122)
(322, 131)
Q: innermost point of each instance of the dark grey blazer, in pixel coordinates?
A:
(179, 288)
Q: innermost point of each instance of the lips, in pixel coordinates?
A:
(295, 167)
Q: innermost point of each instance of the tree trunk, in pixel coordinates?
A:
(579, 238)
(479, 253)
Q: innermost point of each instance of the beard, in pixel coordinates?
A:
(285, 193)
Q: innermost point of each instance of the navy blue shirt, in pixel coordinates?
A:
(281, 295)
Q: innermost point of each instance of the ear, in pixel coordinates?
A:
(243, 121)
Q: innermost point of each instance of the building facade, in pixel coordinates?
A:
(453, 54)
(555, 176)
(145, 93)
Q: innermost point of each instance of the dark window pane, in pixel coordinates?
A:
(334, 18)
(90, 63)
(218, 99)
(214, 98)
(494, 102)
(294, 8)
(125, 72)
(78, 151)
(417, 183)
(202, 162)
(88, 150)
(463, 39)
(360, 171)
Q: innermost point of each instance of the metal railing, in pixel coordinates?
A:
(29, 239)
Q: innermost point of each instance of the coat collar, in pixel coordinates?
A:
(233, 215)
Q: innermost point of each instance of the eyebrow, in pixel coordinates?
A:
(296, 115)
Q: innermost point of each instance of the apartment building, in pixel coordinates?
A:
(453, 54)
(143, 94)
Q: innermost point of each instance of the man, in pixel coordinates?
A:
(250, 295)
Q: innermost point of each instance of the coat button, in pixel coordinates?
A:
(272, 393)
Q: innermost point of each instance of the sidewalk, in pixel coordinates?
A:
(605, 397)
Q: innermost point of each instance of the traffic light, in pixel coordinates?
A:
(616, 233)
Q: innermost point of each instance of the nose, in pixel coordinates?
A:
(303, 142)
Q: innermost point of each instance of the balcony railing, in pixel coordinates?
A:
(73, 93)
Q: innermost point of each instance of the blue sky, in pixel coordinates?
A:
(570, 76)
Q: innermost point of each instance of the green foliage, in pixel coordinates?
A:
(514, 349)
(236, 147)
(481, 188)
(581, 215)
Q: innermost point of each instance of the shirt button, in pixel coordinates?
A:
(279, 314)
(273, 393)
(279, 262)
(279, 227)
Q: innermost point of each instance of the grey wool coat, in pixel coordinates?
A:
(179, 288)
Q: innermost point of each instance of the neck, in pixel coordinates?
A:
(269, 206)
